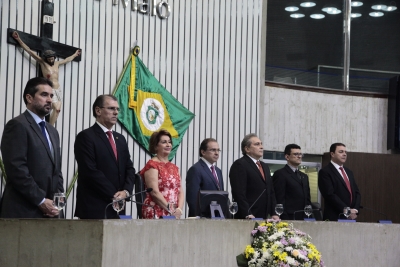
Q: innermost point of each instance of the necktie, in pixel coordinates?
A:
(215, 175)
(261, 169)
(346, 180)
(42, 125)
(110, 139)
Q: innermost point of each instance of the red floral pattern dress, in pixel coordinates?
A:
(169, 185)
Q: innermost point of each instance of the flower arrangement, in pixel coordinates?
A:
(278, 244)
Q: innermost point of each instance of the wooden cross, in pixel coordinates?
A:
(44, 42)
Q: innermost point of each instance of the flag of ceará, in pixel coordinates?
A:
(146, 106)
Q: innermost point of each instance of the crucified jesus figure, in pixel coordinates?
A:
(49, 67)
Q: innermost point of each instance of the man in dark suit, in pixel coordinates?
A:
(292, 188)
(105, 170)
(32, 159)
(338, 186)
(251, 182)
(203, 175)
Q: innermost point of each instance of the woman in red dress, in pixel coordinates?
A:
(167, 195)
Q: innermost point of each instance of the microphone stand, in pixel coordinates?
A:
(248, 211)
(126, 198)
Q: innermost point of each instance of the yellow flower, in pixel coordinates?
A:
(249, 251)
(283, 256)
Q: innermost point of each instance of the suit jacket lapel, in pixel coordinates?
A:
(38, 131)
(104, 138)
(255, 167)
(293, 175)
(338, 175)
(209, 173)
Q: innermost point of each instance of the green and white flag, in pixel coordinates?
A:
(146, 106)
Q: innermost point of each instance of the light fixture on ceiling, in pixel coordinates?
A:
(317, 16)
(297, 15)
(378, 7)
(355, 15)
(329, 8)
(307, 4)
(356, 3)
(334, 12)
(291, 8)
(376, 14)
(391, 7)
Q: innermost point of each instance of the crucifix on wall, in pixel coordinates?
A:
(48, 51)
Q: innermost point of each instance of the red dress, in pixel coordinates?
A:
(169, 185)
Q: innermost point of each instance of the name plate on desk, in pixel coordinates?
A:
(125, 217)
(257, 219)
(309, 219)
(343, 220)
(168, 217)
(385, 221)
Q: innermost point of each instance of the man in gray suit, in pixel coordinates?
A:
(31, 155)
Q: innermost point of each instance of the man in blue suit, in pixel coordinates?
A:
(203, 175)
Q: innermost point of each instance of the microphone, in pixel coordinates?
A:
(148, 190)
(248, 211)
(381, 213)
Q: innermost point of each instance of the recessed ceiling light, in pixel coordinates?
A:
(356, 3)
(334, 12)
(317, 16)
(307, 4)
(329, 9)
(297, 15)
(376, 14)
(389, 8)
(291, 8)
(355, 15)
(378, 7)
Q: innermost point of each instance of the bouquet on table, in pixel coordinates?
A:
(278, 244)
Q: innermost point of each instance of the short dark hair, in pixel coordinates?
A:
(289, 147)
(334, 145)
(246, 142)
(99, 102)
(204, 145)
(31, 87)
(155, 139)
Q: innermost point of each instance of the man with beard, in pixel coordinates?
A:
(50, 71)
(31, 156)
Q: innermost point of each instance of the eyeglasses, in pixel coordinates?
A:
(111, 108)
(298, 154)
(214, 150)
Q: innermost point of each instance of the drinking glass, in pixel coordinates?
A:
(118, 204)
(346, 212)
(279, 209)
(308, 210)
(59, 202)
(233, 209)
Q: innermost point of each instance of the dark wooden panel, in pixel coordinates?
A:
(377, 176)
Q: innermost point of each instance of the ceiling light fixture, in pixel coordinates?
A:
(356, 3)
(334, 12)
(378, 7)
(355, 15)
(391, 7)
(317, 16)
(329, 8)
(297, 15)
(291, 8)
(307, 4)
(376, 14)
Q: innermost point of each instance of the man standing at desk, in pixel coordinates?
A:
(338, 186)
(105, 170)
(203, 175)
(251, 182)
(32, 158)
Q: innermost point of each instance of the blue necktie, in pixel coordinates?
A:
(42, 126)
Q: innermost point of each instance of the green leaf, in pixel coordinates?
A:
(241, 260)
